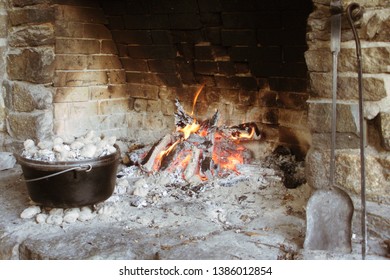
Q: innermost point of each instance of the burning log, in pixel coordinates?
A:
(182, 119)
(155, 153)
(201, 150)
(192, 170)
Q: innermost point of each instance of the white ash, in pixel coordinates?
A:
(136, 188)
(65, 148)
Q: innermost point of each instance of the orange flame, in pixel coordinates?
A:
(190, 128)
(245, 135)
(196, 98)
(226, 159)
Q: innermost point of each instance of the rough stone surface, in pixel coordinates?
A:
(376, 24)
(32, 65)
(32, 35)
(319, 117)
(237, 222)
(375, 60)
(37, 125)
(26, 97)
(348, 172)
(374, 86)
(384, 119)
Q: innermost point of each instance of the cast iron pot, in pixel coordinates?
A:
(67, 184)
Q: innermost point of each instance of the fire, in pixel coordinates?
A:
(214, 150)
(244, 135)
(190, 128)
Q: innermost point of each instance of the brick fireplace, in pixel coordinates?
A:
(116, 67)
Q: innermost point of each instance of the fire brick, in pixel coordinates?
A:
(79, 78)
(226, 67)
(71, 62)
(179, 6)
(136, 7)
(97, 31)
(96, 62)
(206, 67)
(71, 94)
(133, 64)
(162, 66)
(135, 22)
(242, 53)
(184, 21)
(108, 47)
(213, 35)
(210, 19)
(210, 6)
(140, 105)
(204, 52)
(268, 20)
(185, 71)
(291, 100)
(244, 37)
(161, 37)
(294, 69)
(132, 36)
(115, 22)
(153, 79)
(143, 91)
(115, 106)
(80, 14)
(77, 46)
(108, 91)
(248, 83)
(288, 84)
(152, 52)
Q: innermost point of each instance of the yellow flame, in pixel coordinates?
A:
(190, 128)
(245, 135)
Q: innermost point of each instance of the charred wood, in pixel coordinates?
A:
(181, 117)
(155, 152)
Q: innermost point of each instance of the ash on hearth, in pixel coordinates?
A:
(291, 170)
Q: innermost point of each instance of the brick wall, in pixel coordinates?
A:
(117, 66)
(249, 55)
(89, 81)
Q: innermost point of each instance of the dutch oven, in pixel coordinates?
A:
(67, 184)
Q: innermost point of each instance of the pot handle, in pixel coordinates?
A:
(86, 168)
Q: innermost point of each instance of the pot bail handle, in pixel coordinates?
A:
(86, 168)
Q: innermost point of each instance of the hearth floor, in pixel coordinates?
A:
(237, 222)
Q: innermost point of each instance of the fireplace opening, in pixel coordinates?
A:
(117, 67)
(121, 68)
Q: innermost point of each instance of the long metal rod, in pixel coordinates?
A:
(336, 12)
(333, 120)
(354, 7)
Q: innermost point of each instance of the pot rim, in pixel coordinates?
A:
(56, 165)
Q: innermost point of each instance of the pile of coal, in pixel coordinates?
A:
(70, 148)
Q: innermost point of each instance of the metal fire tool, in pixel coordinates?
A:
(336, 10)
(329, 210)
(354, 12)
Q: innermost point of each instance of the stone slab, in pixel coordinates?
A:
(246, 222)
